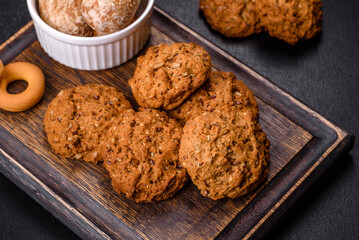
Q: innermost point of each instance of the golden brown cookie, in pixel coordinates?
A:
(108, 16)
(65, 16)
(167, 74)
(224, 156)
(221, 93)
(77, 119)
(291, 20)
(141, 155)
(232, 18)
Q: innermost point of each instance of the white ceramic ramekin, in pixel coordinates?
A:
(94, 53)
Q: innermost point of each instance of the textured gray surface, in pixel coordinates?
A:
(323, 73)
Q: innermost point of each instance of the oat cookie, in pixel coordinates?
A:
(77, 119)
(224, 156)
(65, 16)
(221, 93)
(167, 74)
(232, 18)
(291, 20)
(141, 155)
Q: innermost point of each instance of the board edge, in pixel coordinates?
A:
(27, 186)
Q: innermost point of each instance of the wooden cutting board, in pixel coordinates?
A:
(303, 145)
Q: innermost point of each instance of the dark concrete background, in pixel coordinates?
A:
(323, 73)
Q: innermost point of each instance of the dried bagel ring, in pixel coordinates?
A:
(33, 93)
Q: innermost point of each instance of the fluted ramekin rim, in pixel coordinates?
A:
(88, 41)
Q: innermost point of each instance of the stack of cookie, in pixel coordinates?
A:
(289, 20)
(192, 122)
(223, 148)
(94, 123)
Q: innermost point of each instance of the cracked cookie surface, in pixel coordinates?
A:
(167, 74)
(224, 156)
(232, 18)
(77, 119)
(141, 155)
(291, 20)
(221, 93)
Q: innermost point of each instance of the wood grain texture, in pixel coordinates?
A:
(303, 144)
